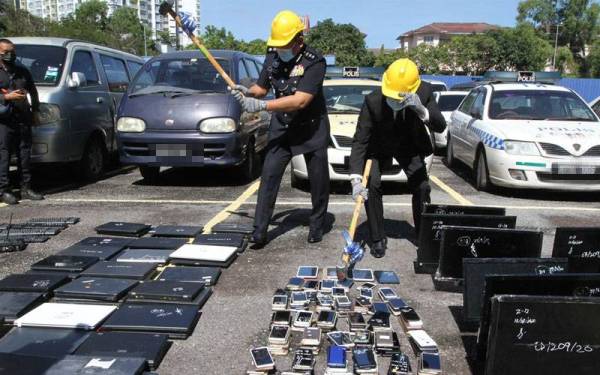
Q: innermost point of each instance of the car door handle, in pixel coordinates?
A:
(99, 100)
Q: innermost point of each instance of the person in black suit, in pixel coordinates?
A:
(393, 124)
(299, 124)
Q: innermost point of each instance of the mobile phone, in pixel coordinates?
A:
(311, 285)
(362, 275)
(410, 315)
(279, 334)
(400, 364)
(280, 302)
(366, 293)
(380, 307)
(335, 338)
(356, 318)
(397, 303)
(337, 291)
(295, 283)
(362, 338)
(325, 300)
(262, 358)
(303, 319)
(387, 293)
(364, 302)
(327, 286)
(336, 357)
(423, 341)
(430, 362)
(331, 273)
(327, 317)
(364, 358)
(308, 272)
(281, 317)
(299, 298)
(343, 301)
(367, 286)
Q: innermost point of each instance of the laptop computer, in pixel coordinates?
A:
(176, 320)
(198, 302)
(150, 346)
(204, 255)
(207, 275)
(121, 270)
(242, 228)
(43, 342)
(176, 231)
(49, 221)
(157, 243)
(104, 241)
(11, 363)
(165, 290)
(40, 283)
(64, 263)
(98, 251)
(120, 228)
(157, 256)
(15, 304)
(223, 239)
(66, 315)
(95, 288)
(74, 364)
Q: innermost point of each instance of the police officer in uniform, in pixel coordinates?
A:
(16, 118)
(392, 125)
(299, 124)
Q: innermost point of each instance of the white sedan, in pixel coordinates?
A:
(447, 101)
(526, 135)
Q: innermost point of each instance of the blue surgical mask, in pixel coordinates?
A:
(395, 104)
(285, 55)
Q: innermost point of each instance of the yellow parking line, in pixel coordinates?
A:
(451, 192)
(227, 211)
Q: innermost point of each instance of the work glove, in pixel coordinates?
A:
(238, 91)
(413, 102)
(358, 189)
(252, 105)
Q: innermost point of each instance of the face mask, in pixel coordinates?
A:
(396, 105)
(286, 55)
(9, 57)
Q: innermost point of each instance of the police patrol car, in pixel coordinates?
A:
(520, 130)
(345, 90)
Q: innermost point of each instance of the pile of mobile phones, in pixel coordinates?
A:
(279, 339)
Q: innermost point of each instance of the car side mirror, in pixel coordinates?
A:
(77, 79)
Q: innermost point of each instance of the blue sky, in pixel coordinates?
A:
(381, 20)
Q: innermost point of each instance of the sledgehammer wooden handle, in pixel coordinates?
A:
(360, 200)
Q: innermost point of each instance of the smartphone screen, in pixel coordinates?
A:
(357, 318)
(367, 286)
(311, 284)
(362, 274)
(304, 317)
(367, 293)
(308, 272)
(262, 357)
(397, 303)
(299, 296)
(361, 357)
(343, 300)
(338, 291)
(279, 332)
(387, 293)
(280, 300)
(410, 314)
(327, 284)
(281, 316)
(380, 307)
(336, 338)
(431, 361)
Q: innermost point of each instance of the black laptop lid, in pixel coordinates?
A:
(104, 252)
(167, 290)
(208, 275)
(73, 364)
(105, 289)
(144, 255)
(125, 270)
(43, 342)
(32, 282)
(120, 228)
(15, 304)
(104, 241)
(158, 318)
(233, 228)
(176, 231)
(11, 364)
(67, 263)
(150, 346)
(221, 239)
(157, 243)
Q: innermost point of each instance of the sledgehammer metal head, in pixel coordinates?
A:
(165, 7)
(353, 253)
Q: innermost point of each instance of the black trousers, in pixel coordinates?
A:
(15, 138)
(418, 184)
(276, 160)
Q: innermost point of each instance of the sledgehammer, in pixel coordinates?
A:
(166, 8)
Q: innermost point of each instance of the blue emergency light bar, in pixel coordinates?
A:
(354, 72)
(522, 77)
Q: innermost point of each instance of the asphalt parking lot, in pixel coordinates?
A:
(238, 314)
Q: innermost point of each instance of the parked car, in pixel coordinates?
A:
(80, 86)
(437, 85)
(595, 104)
(178, 113)
(345, 96)
(528, 135)
(447, 101)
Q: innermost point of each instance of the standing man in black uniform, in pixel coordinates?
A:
(392, 125)
(299, 124)
(16, 118)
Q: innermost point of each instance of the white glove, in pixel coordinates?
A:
(358, 189)
(413, 102)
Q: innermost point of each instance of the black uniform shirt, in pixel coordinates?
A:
(14, 79)
(305, 130)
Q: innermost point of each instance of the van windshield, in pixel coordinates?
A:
(45, 63)
(179, 75)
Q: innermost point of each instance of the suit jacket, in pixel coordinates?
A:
(381, 135)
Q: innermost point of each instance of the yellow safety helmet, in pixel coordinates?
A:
(400, 78)
(286, 25)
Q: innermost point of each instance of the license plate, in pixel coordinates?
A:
(171, 150)
(575, 169)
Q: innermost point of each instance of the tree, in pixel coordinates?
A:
(565, 63)
(540, 13)
(386, 59)
(473, 54)
(127, 33)
(594, 60)
(216, 38)
(522, 49)
(254, 47)
(87, 23)
(344, 41)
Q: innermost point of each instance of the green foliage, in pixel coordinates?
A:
(344, 41)
(594, 60)
(522, 49)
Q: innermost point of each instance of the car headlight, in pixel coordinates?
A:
(217, 125)
(47, 114)
(521, 148)
(130, 125)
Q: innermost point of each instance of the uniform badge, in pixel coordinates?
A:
(298, 71)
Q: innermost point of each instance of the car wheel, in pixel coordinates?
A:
(482, 176)
(450, 161)
(251, 164)
(150, 174)
(93, 162)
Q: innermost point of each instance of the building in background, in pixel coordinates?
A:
(440, 32)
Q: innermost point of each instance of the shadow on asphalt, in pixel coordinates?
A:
(344, 188)
(462, 171)
(192, 177)
(288, 220)
(396, 229)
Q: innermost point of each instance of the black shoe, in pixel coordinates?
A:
(378, 248)
(28, 193)
(258, 241)
(315, 235)
(9, 198)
